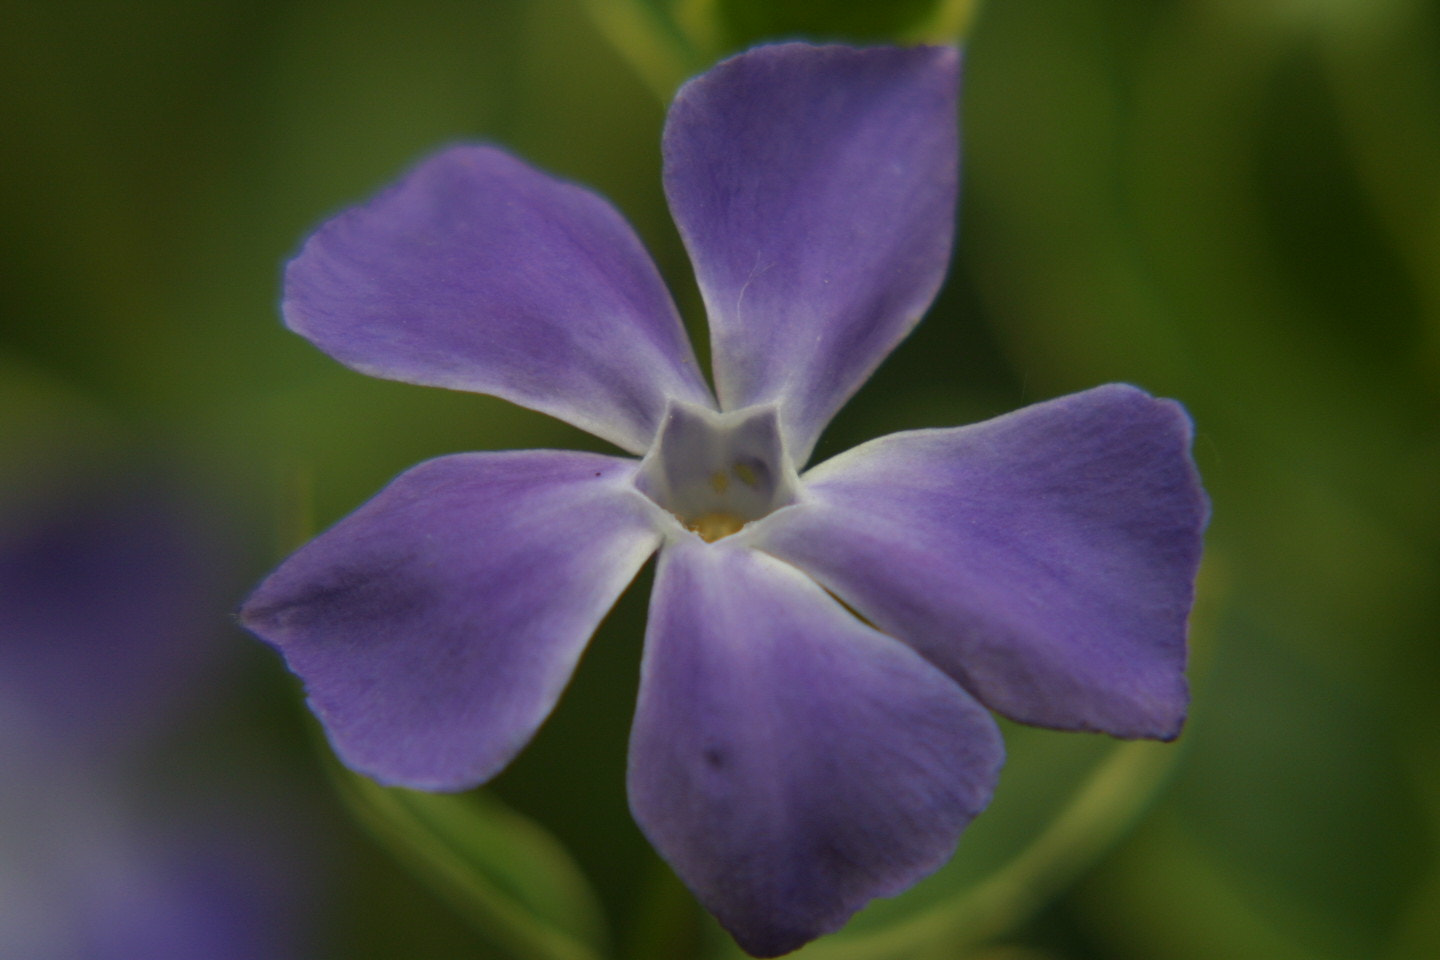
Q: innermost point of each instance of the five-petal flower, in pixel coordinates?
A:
(790, 758)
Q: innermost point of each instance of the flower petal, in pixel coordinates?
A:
(478, 272)
(790, 762)
(815, 189)
(1045, 559)
(436, 626)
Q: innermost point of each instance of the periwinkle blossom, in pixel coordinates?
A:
(812, 727)
(107, 599)
(109, 591)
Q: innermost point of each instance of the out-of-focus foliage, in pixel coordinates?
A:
(507, 876)
(668, 40)
(1231, 202)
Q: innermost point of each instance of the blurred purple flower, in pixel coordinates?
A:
(108, 600)
(790, 759)
(109, 623)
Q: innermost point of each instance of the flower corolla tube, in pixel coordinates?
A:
(824, 645)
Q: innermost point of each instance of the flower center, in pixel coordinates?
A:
(713, 526)
(716, 472)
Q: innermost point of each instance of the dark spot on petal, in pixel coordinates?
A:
(715, 758)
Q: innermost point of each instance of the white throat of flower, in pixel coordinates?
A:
(717, 472)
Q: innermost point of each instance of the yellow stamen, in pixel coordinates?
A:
(719, 481)
(713, 526)
(746, 473)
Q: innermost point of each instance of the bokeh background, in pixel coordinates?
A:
(1231, 202)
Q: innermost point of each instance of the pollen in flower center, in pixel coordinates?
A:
(713, 526)
(716, 472)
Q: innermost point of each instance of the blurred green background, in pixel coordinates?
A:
(1231, 202)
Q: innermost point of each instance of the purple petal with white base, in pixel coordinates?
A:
(437, 625)
(478, 272)
(790, 762)
(815, 190)
(1046, 559)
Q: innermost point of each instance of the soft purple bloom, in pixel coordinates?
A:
(790, 759)
(108, 593)
(109, 624)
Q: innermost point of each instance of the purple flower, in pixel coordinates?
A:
(790, 758)
(108, 593)
(109, 626)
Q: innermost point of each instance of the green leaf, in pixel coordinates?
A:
(667, 41)
(1164, 897)
(506, 875)
(746, 22)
